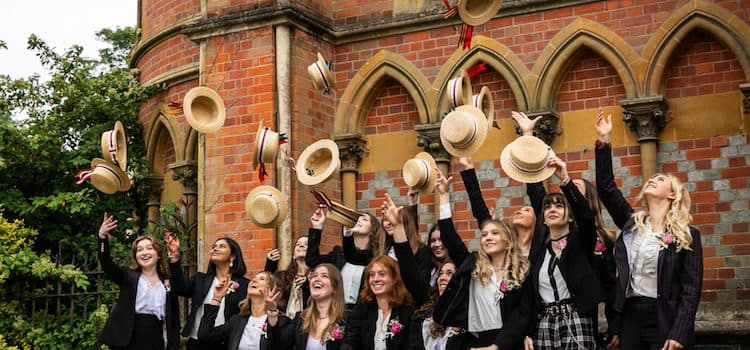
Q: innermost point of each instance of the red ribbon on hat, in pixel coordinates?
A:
(83, 175)
(174, 108)
(283, 138)
(473, 71)
(450, 10)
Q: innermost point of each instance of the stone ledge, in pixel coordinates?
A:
(723, 318)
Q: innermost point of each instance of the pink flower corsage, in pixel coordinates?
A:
(167, 285)
(563, 242)
(600, 247)
(336, 333)
(505, 287)
(263, 330)
(233, 285)
(394, 328)
(666, 239)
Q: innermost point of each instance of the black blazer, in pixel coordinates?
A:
(452, 308)
(231, 335)
(576, 260)
(294, 337)
(360, 330)
(313, 257)
(197, 287)
(461, 341)
(680, 274)
(118, 331)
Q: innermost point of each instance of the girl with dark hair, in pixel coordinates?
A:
(146, 315)
(293, 283)
(225, 265)
(438, 252)
(488, 294)
(249, 328)
(658, 255)
(321, 325)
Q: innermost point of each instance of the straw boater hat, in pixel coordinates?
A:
(105, 176)
(478, 12)
(266, 145)
(318, 162)
(463, 131)
(525, 160)
(483, 101)
(458, 90)
(321, 75)
(266, 206)
(336, 211)
(419, 173)
(204, 109)
(115, 146)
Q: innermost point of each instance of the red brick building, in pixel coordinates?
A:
(673, 73)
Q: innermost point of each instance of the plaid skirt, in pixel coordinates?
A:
(569, 330)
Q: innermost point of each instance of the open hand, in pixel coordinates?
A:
(442, 182)
(466, 162)
(525, 123)
(173, 246)
(318, 218)
(391, 212)
(273, 255)
(561, 169)
(603, 126)
(108, 224)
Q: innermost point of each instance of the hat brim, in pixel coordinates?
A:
(271, 143)
(522, 176)
(125, 183)
(304, 158)
(477, 19)
(321, 74)
(432, 180)
(484, 97)
(200, 125)
(273, 191)
(459, 97)
(120, 143)
(342, 214)
(483, 127)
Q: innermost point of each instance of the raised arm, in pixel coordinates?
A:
(105, 259)
(272, 261)
(406, 261)
(180, 286)
(611, 196)
(457, 250)
(478, 207)
(582, 213)
(313, 257)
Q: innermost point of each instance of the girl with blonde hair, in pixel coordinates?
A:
(658, 255)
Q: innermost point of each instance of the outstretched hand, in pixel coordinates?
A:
(173, 246)
(108, 224)
(271, 298)
(561, 169)
(442, 183)
(603, 126)
(391, 212)
(318, 218)
(525, 123)
(466, 162)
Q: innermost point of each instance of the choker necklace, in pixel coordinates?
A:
(559, 238)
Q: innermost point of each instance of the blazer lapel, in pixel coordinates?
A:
(301, 340)
(236, 335)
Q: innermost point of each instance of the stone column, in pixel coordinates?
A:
(745, 89)
(646, 116)
(429, 140)
(352, 148)
(547, 128)
(154, 187)
(186, 173)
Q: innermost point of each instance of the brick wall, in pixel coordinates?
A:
(591, 82)
(158, 14)
(172, 53)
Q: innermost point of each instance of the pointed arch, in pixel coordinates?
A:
(724, 25)
(161, 122)
(361, 92)
(490, 52)
(555, 60)
(191, 145)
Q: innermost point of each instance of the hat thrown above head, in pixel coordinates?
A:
(458, 90)
(204, 109)
(266, 149)
(266, 206)
(419, 173)
(105, 177)
(463, 131)
(320, 74)
(318, 162)
(115, 146)
(483, 101)
(336, 211)
(478, 12)
(525, 160)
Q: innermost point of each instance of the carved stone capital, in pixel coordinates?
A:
(429, 140)
(352, 148)
(745, 88)
(186, 172)
(546, 128)
(154, 185)
(646, 116)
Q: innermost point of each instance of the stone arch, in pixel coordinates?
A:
(555, 60)
(191, 145)
(490, 52)
(725, 26)
(160, 122)
(360, 93)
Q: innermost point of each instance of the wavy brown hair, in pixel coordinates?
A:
(385, 241)
(608, 236)
(246, 304)
(161, 264)
(400, 296)
(516, 266)
(311, 316)
(436, 329)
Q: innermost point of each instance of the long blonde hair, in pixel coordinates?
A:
(311, 316)
(678, 217)
(516, 266)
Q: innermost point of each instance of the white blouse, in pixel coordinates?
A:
(351, 277)
(484, 305)
(314, 344)
(252, 333)
(150, 300)
(199, 314)
(431, 343)
(643, 259)
(545, 285)
(381, 331)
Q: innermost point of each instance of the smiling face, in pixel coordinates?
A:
(444, 276)
(493, 240)
(146, 255)
(221, 252)
(556, 211)
(524, 217)
(380, 280)
(260, 282)
(363, 225)
(300, 248)
(659, 186)
(321, 286)
(436, 245)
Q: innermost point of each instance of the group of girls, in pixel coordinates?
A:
(534, 282)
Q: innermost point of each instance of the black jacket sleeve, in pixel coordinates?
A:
(313, 257)
(478, 206)
(112, 271)
(452, 241)
(512, 334)
(353, 255)
(353, 334)
(282, 335)
(271, 266)
(536, 193)
(691, 282)
(180, 286)
(413, 280)
(207, 331)
(585, 227)
(611, 196)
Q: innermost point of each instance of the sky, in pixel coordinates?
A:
(59, 23)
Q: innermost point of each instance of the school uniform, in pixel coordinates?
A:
(454, 338)
(567, 289)
(244, 332)
(199, 288)
(142, 318)
(663, 301)
(455, 308)
(300, 339)
(366, 320)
